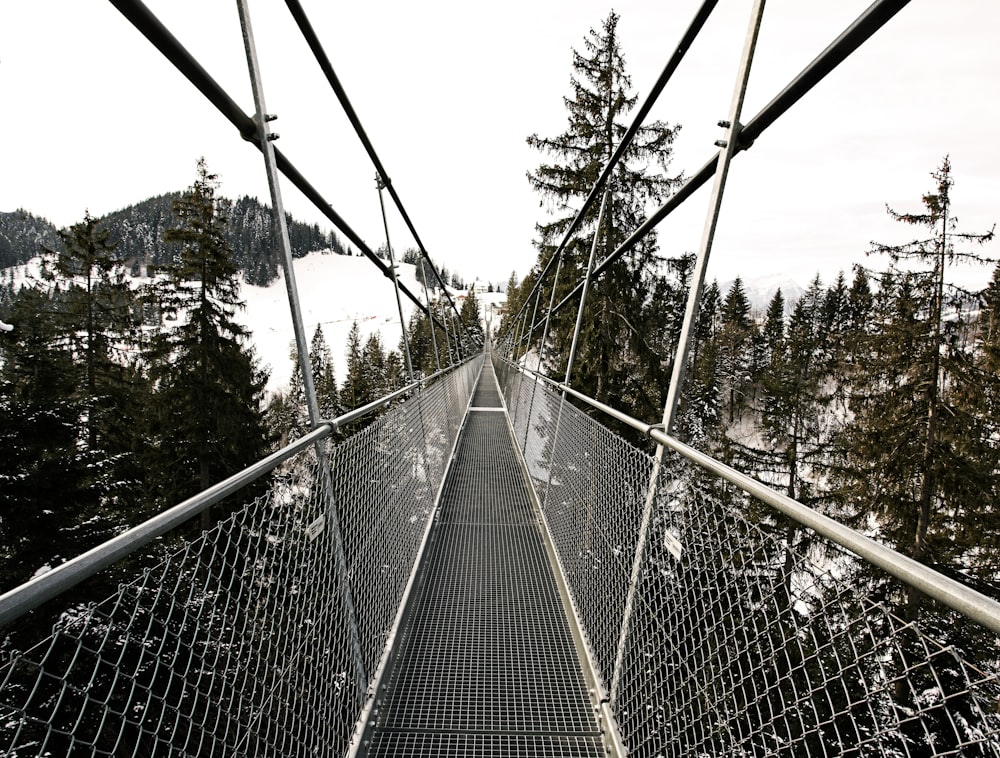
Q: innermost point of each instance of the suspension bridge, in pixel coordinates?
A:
(486, 569)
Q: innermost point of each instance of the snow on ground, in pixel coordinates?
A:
(334, 292)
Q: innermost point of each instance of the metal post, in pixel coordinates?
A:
(586, 286)
(541, 345)
(526, 336)
(262, 118)
(531, 324)
(552, 302)
(380, 182)
(454, 346)
(447, 336)
(430, 311)
(729, 147)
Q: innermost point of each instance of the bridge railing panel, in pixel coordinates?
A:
(240, 641)
(749, 634)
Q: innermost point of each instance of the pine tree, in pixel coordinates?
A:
(614, 357)
(288, 411)
(795, 399)
(50, 509)
(836, 313)
(356, 389)
(376, 368)
(472, 335)
(774, 329)
(989, 348)
(735, 343)
(921, 457)
(422, 343)
(94, 311)
(914, 420)
(324, 377)
(700, 414)
(209, 387)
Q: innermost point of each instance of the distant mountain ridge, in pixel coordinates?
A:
(138, 230)
(761, 290)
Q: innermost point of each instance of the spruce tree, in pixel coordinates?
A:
(94, 311)
(916, 421)
(356, 389)
(376, 368)
(324, 377)
(795, 400)
(700, 414)
(989, 348)
(209, 386)
(472, 335)
(774, 328)
(50, 509)
(614, 358)
(735, 349)
(921, 456)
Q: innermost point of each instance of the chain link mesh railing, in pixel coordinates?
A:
(750, 635)
(241, 641)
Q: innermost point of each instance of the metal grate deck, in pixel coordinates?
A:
(486, 663)
(487, 394)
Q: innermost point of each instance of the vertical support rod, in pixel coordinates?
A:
(548, 313)
(515, 346)
(280, 224)
(380, 182)
(541, 345)
(447, 336)
(586, 286)
(430, 311)
(456, 339)
(730, 145)
(531, 326)
(277, 208)
(687, 330)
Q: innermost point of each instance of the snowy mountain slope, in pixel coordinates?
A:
(761, 289)
(334, 292)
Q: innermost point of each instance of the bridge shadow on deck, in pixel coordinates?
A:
(485, 662)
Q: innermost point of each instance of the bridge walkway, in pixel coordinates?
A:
(486, 662)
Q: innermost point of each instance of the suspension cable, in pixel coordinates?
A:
(863, 28)
(153, 29)
(688, 38)
(331, 76)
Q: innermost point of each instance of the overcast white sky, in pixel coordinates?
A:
(95, 118)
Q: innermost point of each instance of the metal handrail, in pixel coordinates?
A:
(967, 601)
(33, 593)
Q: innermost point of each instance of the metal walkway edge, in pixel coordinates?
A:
(485, 663)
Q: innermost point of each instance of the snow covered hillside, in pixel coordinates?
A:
(334, 292)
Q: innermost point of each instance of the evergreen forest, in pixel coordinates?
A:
(121, 400)
(871, 398)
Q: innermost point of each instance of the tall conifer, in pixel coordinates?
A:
(614, 356)
(209, 386)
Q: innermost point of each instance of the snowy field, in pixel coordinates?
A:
(334, 291)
